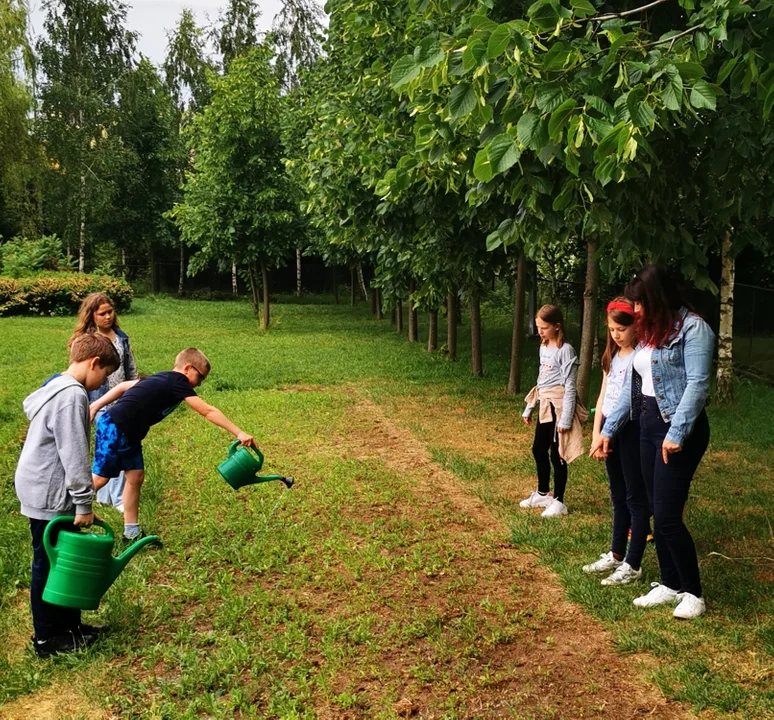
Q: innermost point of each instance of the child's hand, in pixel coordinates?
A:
(600, 448)
(246, 439)
(84, 520)
(527, 419)
(92, 412)
(563, 430)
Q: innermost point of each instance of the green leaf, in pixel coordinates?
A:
(600, 128)
(528, 130)
(609, 143)
(559, 117)
(690, 71)
(703, 96)
(641, 113)
(556, 57)
(549, 97)
(583, 8)
(474, 54)
(767, 104)
(462, 101)
(494, 240)
(503, 153)
(428, 52)
(600, 105)
(701, 41)
(404, 71)
(672, 97)
(482, 23)
(482, 168)
(498, 41)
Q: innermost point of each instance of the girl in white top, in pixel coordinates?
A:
(627, 488)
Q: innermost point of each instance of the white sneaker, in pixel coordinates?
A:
(623, 575)
(555, 509)
(536, 500)
(690, 607)
(658, 595)
(606, 563)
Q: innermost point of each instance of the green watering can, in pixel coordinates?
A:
(82, 564)
(240, 468)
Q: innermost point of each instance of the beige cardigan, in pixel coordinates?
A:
(570, 442)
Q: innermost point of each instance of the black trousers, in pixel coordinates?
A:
(47, 620)
(667, 486)
(631, 508)
(545, 446)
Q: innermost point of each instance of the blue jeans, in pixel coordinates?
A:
(667, 486)
(631, 509)
(48, 620)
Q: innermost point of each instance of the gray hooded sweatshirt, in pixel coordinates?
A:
(53, 476)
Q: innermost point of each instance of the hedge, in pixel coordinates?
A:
(59, 293)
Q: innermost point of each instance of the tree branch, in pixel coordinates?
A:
(673, 38)
(613, 16)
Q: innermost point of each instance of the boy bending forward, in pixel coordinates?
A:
(122, 427)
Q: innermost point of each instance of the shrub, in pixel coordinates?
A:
(59, 293)
(21, 257)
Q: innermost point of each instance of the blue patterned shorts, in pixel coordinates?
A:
(112, 451)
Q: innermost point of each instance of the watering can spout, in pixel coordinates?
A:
(123, 559)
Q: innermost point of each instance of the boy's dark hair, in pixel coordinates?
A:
(193, 356)
(89, 346)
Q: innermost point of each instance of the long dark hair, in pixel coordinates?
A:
(621, 317)
(661, 299)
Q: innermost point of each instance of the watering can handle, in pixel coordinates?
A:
(51, 550)
(235, 446)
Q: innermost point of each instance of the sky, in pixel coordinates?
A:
(153, 18)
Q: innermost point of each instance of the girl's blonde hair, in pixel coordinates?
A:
(621, 316)
(553, 316)
(90, 305)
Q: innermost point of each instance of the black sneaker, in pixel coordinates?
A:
(95, 630)
(65, 643)
(126, 541)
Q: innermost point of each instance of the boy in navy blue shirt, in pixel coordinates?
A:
(141, 404)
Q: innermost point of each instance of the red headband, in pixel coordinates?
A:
(622, 306)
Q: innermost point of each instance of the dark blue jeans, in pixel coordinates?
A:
(47, 620)
(667, 486)
(631, 508)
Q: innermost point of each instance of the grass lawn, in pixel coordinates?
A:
(398, 577)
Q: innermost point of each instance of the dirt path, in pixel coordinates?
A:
(570, 668)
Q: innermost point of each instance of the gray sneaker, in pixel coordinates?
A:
(623, 575)
(606, 563)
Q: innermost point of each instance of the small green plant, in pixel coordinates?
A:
(22, 256)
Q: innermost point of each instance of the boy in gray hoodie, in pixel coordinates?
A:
(53, 478)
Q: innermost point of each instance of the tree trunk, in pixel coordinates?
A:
(451, 326)
(724, 392)
(432, 330)
(532, 305)
(361, 282)
(379, 309)
(477, 367)
(82, 227)
(298, 272)
(152, 258)
(374, 300)
(589, 329)
(352, 286)
(253, 288)
(335, 285)
(234, 280)
(399, 315)
(182, 269)
(123, 263)
(265, 284)
(413, 329)
(517, 339)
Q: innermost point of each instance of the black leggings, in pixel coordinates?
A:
(547, 442)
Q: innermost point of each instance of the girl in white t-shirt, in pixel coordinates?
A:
(627, 488)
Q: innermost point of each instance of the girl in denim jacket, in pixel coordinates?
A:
(97, 315)
(668, 387)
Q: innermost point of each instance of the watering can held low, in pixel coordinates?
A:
(240, 468)
(82, 564)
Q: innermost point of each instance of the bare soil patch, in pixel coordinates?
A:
(56, 702)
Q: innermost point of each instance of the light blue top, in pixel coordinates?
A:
(559, 366)
(681, 378)
(616, 377)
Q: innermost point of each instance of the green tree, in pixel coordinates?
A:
(238, 200)
(236, 31)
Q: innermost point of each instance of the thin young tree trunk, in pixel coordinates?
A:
(399, 315)
(335, 285)
(413, 329)
(589, 329)
(298, 272)
(253, 287)
(352, 286)
(374, 300)
(361, 282)
(477, 367)
(724, 392)
(379, 309)
(234, 280)
(532, 307)
(451, 325)
(182, 269)
(123, 262)
(517, 340)
(432, 330)
(82, 227)
(265, 284)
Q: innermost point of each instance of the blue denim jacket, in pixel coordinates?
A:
(130, 369)
(681, 379)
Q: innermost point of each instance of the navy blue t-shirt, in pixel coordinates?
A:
(149, 402)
